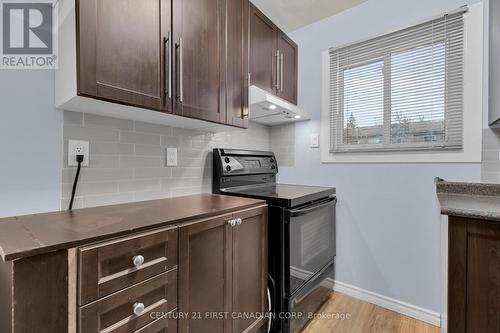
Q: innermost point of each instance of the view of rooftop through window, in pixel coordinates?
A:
(397, 99)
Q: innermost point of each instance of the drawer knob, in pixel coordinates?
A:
(138, 260)
(138, 308)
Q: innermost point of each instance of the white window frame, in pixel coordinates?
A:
(472, 108)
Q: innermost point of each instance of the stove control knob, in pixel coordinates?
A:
(226, 160)
(273, 167)
(228, 168)
(271, 160)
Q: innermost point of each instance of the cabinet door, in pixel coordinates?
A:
(237, 62)
(205, 275)
(263, 51)
(120, 51)
(473, 276)
(250, 270)
(199, 35)
(287, 87)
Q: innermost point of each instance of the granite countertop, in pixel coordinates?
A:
(470, 200)
(29, 235)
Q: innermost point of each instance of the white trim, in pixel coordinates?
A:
(392, 304)
(473, 108)
(413, 311)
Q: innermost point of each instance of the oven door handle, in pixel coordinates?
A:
(332, 200)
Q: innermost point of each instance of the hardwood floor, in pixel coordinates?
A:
(362, 317)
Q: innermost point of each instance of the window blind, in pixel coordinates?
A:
(400, 91)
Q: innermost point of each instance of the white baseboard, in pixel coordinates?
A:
(403, 308)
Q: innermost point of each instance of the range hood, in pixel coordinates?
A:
(267, 109)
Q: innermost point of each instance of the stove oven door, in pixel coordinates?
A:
(309, 242)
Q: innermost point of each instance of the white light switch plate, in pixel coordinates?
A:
(172, 157)
(77, 147)
(314, 140)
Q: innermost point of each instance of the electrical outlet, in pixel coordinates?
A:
(76, 147)
(172, 157)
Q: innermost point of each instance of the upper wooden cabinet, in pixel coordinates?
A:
(263, 50)
(185, 58)
(237, 62)
(273, 57)
(190, 58)
(199, 34)
(288, 51)
(120, 54)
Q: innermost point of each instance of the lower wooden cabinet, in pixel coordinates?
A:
(197, 275)
(473, 276)
(223, 273)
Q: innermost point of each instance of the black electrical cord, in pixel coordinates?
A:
(79, 159)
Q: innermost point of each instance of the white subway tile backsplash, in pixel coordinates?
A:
(149, 150)
(86, 188)
(77, 203)
(73, 118)
(140, 138)
(181, 172)
(140, 185)
(150, 195)
(153, 128)
(170, 141)
(490, 168)
(283, 144)
(90, 133)
(491, 155)
(96, 175)
(127, 159)
(107, 199)
(93, 120)
(104, 161)
(150, 173)
(111, 148)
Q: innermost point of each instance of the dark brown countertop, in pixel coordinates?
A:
(29, 235)
(470, 200)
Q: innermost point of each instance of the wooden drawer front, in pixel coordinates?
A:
(108, 267)
(115, 314)
(163, 325)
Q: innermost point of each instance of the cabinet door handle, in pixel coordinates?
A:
(281, 71)
(168, 65)
(245, 109)
(232, 223)
(278, 70)
(239, 221)
(181, 71)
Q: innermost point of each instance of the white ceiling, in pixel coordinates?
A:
(290, 15)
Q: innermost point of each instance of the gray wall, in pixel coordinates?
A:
(30, 143)
(388, 230)
(127, 159)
